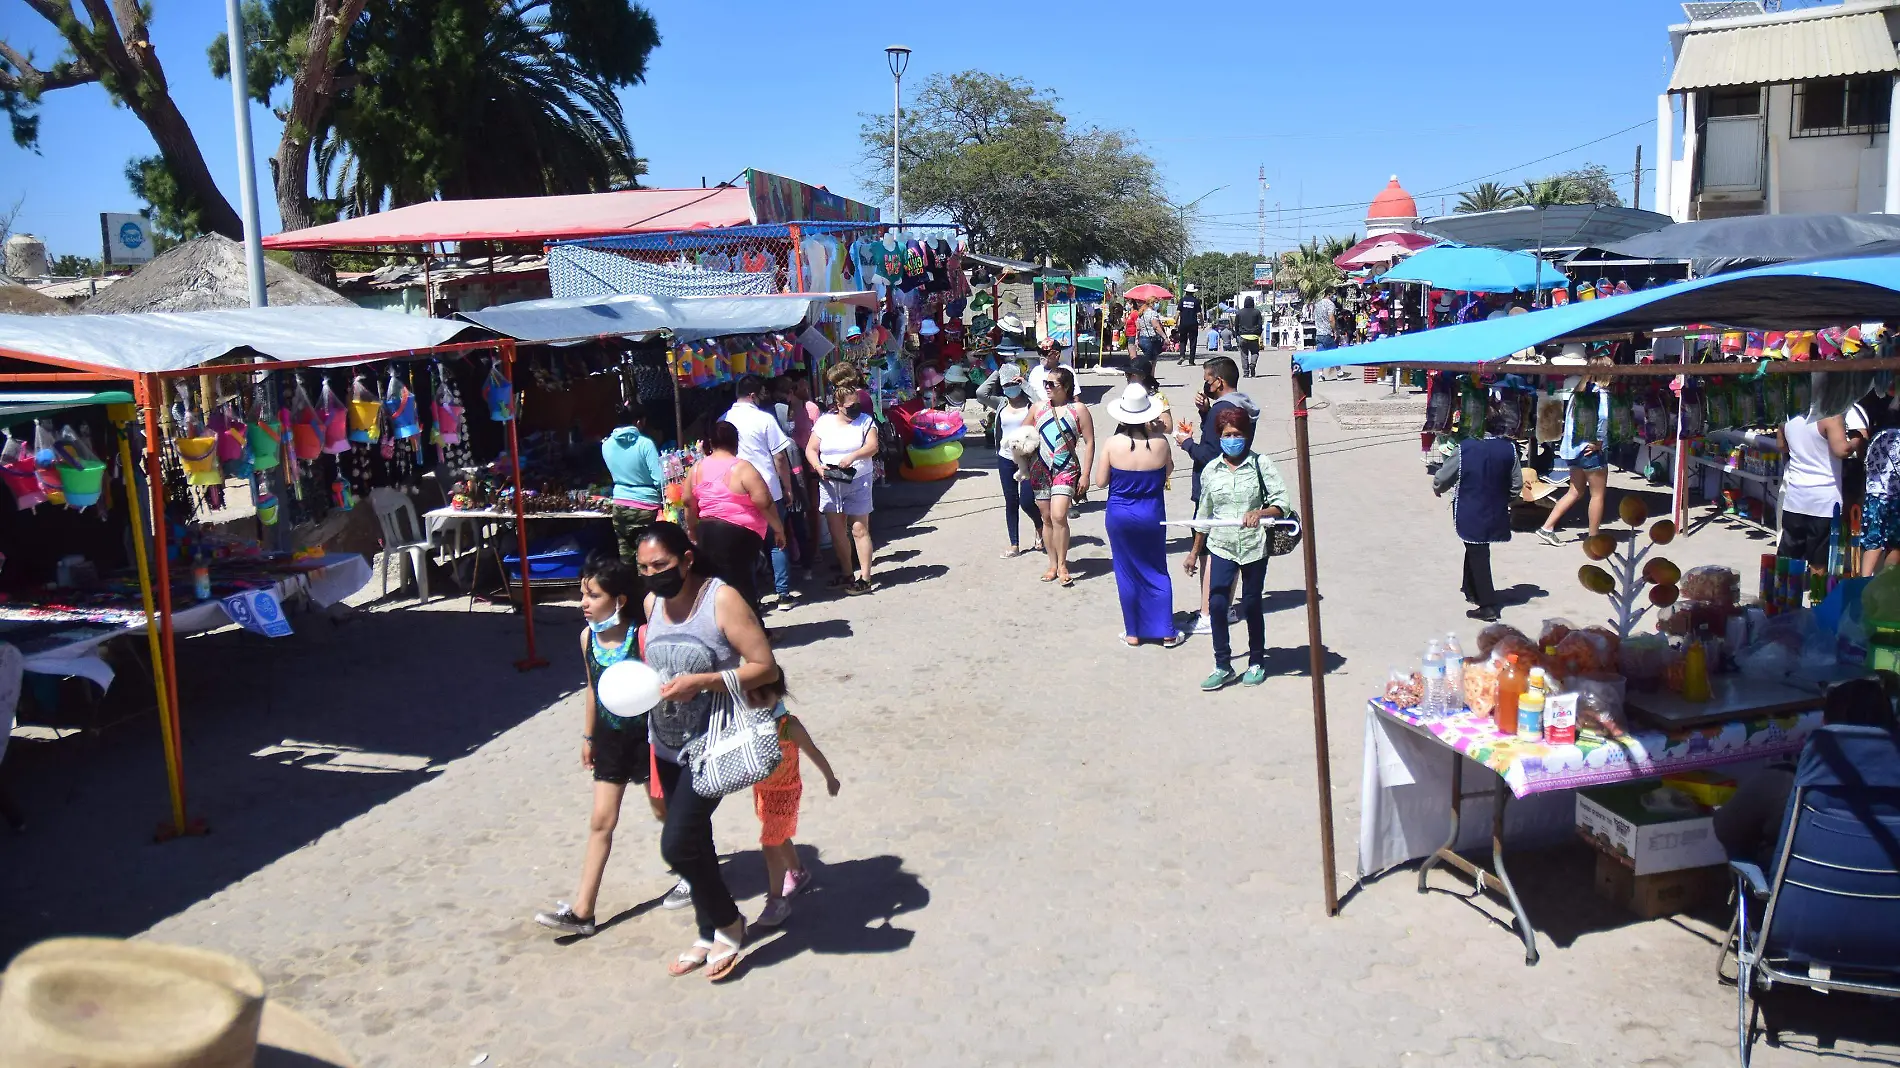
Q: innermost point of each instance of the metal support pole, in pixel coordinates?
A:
(247, 162)
(154, 395)
(174, 773)
(532, 660)
(1322, 747)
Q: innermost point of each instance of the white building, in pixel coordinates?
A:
(1772, 112)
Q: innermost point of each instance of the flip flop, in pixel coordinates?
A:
(721, 965)
(1050, 577)
(686, 963)
(1066, 580)
(1180, 638)
(1010, 554)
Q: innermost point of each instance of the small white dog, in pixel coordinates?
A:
(1019, 445)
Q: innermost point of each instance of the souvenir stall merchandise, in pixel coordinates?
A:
(799, 257)
(1710, 721)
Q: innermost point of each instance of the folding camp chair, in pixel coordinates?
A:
(1828, 918)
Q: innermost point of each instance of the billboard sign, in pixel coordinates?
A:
(1263, 275)
(127, 238)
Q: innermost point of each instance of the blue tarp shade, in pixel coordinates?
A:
(15, 406)
(1469, 269)
(1784, 296)
(638, 314)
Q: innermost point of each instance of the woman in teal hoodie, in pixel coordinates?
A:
(634, 462)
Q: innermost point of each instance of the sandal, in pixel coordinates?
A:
(720, 965)
(1049, 575)
(686, 963)
(1066, 579)
(1011, 553)
(1180, 638)
(1132, 643)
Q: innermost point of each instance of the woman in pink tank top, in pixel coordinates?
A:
(728, 511)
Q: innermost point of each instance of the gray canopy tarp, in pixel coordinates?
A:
(139, 342)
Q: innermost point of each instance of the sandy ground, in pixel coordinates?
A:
(1050, 849)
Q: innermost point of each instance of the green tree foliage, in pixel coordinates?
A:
(175, 217)
(997, 155)
(71, 266)
(1309, 270)
(1220, 275)
(1486, 196)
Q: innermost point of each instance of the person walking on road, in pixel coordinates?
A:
(1065, 453)
(613, 748)
(1037, 383)
(1488, 478)
(766, 446)
(1188, 323)
(1004, 391)
(1148, 331)
(699, 629)
(840, 450)
(775, 799)
(1220, 380)
(1135, 464)
(1249, 324)
(729, 509)
(1586, 435)
(1241, 485)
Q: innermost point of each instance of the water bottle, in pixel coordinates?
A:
(1454, 675)
(1431, 698)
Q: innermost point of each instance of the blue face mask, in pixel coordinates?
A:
(604, 625)
(1233, 446)
(1012, 392)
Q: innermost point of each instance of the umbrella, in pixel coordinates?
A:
(1149, 291)
(1381, 248)
(1551, 226)
(1476, 270)
(1717, 245)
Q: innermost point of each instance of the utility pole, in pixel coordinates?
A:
(247, 157)
(1261, 215)
(1636, 179)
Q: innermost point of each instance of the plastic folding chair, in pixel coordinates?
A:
(1828, 918)
(404, 539)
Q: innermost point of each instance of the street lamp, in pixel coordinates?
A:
(1180, 278)
(898, 57)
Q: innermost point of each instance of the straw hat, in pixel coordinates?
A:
(1135, 406)
(1011, 324)
(106, 1003)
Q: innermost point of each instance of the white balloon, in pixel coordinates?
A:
(628, 689)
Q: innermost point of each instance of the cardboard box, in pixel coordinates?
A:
(1616, 821)
(1662, 894)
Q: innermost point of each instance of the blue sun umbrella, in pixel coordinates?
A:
(1472, 269)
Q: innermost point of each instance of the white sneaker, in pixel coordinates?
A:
(679, 897)
(1202, 625)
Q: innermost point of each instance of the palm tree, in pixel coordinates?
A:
(1309, 270)
(1544, 192)
(474, 98)
(1486, 196)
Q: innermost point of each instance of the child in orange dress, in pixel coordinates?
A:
(776, 800)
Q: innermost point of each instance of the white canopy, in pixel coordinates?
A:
(636, 314)
(140, 342)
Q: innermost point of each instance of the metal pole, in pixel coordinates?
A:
(533, 659)
(247, 163)
(897, 151)
(174, 773)
(1322, 746)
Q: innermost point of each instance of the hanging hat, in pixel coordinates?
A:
(101, 1001)
(1011, 324)
(1135, 406)
(1009, 347)
(928, 329)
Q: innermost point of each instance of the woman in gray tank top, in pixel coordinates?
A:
(697, 627)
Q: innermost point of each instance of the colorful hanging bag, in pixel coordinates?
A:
(499, 393)
(334, 418)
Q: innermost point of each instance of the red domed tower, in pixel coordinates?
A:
(1392, 211)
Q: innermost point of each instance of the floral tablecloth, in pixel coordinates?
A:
(1532, 767)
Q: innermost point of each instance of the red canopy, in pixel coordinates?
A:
(1382, 248)
(527, 219)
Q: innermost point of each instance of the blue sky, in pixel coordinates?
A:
(1332, 98)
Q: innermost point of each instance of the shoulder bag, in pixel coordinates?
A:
(740, 747)
(1281, 541)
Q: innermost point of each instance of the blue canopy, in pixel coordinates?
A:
(1470, 269)
(1783, 296)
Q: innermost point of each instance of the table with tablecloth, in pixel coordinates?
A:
(64, 638)
(1411, 794)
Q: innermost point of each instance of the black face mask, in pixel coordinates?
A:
(667, 584)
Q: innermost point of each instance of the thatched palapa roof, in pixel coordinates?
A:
(22, 300)
(204, 274)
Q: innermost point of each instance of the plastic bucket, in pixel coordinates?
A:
(24, 483)
(363, 414)
(83, 482)
(266, 440)
(200, 459)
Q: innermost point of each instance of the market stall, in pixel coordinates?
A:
(1401, 817)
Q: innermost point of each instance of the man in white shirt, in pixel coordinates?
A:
(763, 444)
(1036, 385)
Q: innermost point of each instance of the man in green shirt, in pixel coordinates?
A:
(1241, 485)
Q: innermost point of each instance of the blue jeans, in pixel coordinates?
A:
(1220, 585)
(1013, 499)
(781, 559)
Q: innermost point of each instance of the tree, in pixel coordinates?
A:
(71, 266)
(1220, 274)
(997, 155)
(1589, 184)
(1486, 196)
(1309, 270)
(113, 49)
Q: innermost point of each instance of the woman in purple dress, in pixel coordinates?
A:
(1134, 464)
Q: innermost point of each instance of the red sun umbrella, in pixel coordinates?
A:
(1149, 291)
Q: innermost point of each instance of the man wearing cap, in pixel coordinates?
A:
(1188, 323)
